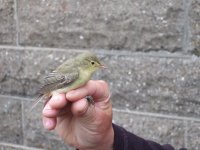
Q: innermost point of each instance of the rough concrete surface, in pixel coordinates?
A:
(151, 48)
(7, 22)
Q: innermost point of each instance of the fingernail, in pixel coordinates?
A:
(48, 124)
(70, 94)
(47, 107)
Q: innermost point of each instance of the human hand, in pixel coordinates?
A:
(81, 124)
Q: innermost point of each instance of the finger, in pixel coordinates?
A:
(54, 105)
(57, 101)
(49, 123)
(48, 111)
(97, 89)
(80, 107)
(103, 91)
(88, 89)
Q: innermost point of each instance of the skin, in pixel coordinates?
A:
(78, 123)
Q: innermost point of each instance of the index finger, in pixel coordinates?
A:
(54, 105)
(97, 89)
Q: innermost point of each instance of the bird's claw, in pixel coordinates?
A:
(90, 99)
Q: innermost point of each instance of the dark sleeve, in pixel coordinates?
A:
(124, 140)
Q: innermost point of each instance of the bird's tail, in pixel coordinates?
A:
(37, 100)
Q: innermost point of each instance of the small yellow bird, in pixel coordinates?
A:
(70, 75)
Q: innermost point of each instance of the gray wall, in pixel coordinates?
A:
(150, 46)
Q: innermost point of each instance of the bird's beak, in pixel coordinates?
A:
(104, 67)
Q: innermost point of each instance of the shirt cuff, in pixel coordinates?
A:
(124, 140)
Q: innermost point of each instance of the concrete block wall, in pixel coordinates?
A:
(151, 48)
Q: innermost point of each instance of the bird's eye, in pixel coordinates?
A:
(92, 62)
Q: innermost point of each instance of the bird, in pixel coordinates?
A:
(70, 75)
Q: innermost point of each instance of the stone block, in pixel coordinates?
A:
(11, 121)
(193, 135)
(154, 84)
(135, 25)
(160, 130)
(8, 24)
(194, 19)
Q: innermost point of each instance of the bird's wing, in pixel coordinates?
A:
(56, 80)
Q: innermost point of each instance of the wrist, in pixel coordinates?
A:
(107, 141)
(101, 141)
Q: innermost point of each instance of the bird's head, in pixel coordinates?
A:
(90, 62)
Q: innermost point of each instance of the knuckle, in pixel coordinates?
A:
(104, 85)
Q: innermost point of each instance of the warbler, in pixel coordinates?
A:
(70, 75)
